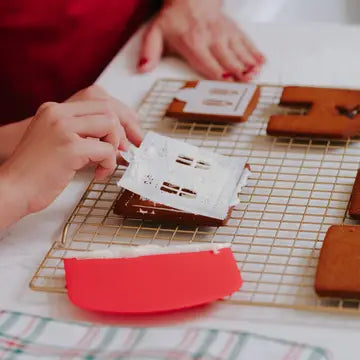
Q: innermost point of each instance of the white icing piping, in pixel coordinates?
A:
(122, 252)
(130, 154)
(217, 98)
(156, 173)
(185, 94)
(242, 182)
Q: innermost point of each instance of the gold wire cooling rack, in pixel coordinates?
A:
(298, 188)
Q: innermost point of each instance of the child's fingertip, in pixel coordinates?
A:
(101, 173)
(124, 145)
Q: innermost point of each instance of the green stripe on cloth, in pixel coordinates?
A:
(239, 345)
(317, 354)
(33, 335)
(106, 341)
(140, 334)
(209, 338)
(24, 337)
(13, 317)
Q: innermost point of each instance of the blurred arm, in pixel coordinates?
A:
(10, 136)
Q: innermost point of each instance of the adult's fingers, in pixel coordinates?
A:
(203, 61)
(242, 52)
(229, 60)
(151, 49)
(252, 49)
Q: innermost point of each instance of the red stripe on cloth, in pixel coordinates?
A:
(294, 352)
(28, 327)
(186, 344)
(156, 354)
(83, 343)
(42, 349)
(16, 343)
(130, 338)
(227, 346)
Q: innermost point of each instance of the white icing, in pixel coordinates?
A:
(242, 182)
(217, 98)
(121, 252)
(209, 191)
(129, 155)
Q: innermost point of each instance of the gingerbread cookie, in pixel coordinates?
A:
(354, 206)
(338, 270)
(132, 206)
(333, 113)
(216, 101)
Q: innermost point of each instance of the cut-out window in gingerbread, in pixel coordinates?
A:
(332, 113)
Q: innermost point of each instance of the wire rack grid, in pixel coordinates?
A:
(298, 188)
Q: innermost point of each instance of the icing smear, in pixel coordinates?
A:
(123, 252)
(242, 183)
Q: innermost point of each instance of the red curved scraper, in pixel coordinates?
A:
(152, 283)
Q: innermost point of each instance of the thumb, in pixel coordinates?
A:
(151, 49)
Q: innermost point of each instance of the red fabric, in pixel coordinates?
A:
(50, 49)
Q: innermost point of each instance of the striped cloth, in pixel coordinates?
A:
(32, 337)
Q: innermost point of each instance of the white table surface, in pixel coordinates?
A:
(309, 54)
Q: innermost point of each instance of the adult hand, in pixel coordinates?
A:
(198, 31)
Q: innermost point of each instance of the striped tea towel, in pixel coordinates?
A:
(28, 337)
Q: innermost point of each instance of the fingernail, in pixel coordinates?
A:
(226, 75)
(248, 69)
(142, 61)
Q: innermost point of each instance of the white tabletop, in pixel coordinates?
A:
(311, 54)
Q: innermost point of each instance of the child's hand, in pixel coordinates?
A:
(61, 139)
(10, 135)
(127, 116)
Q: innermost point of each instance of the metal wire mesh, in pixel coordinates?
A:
(299, 188)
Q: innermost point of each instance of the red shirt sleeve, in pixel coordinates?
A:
(51, 49)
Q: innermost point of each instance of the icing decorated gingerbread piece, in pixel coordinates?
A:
(133, 206)
(216, 101)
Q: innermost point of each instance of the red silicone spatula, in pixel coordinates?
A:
(152, 283)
